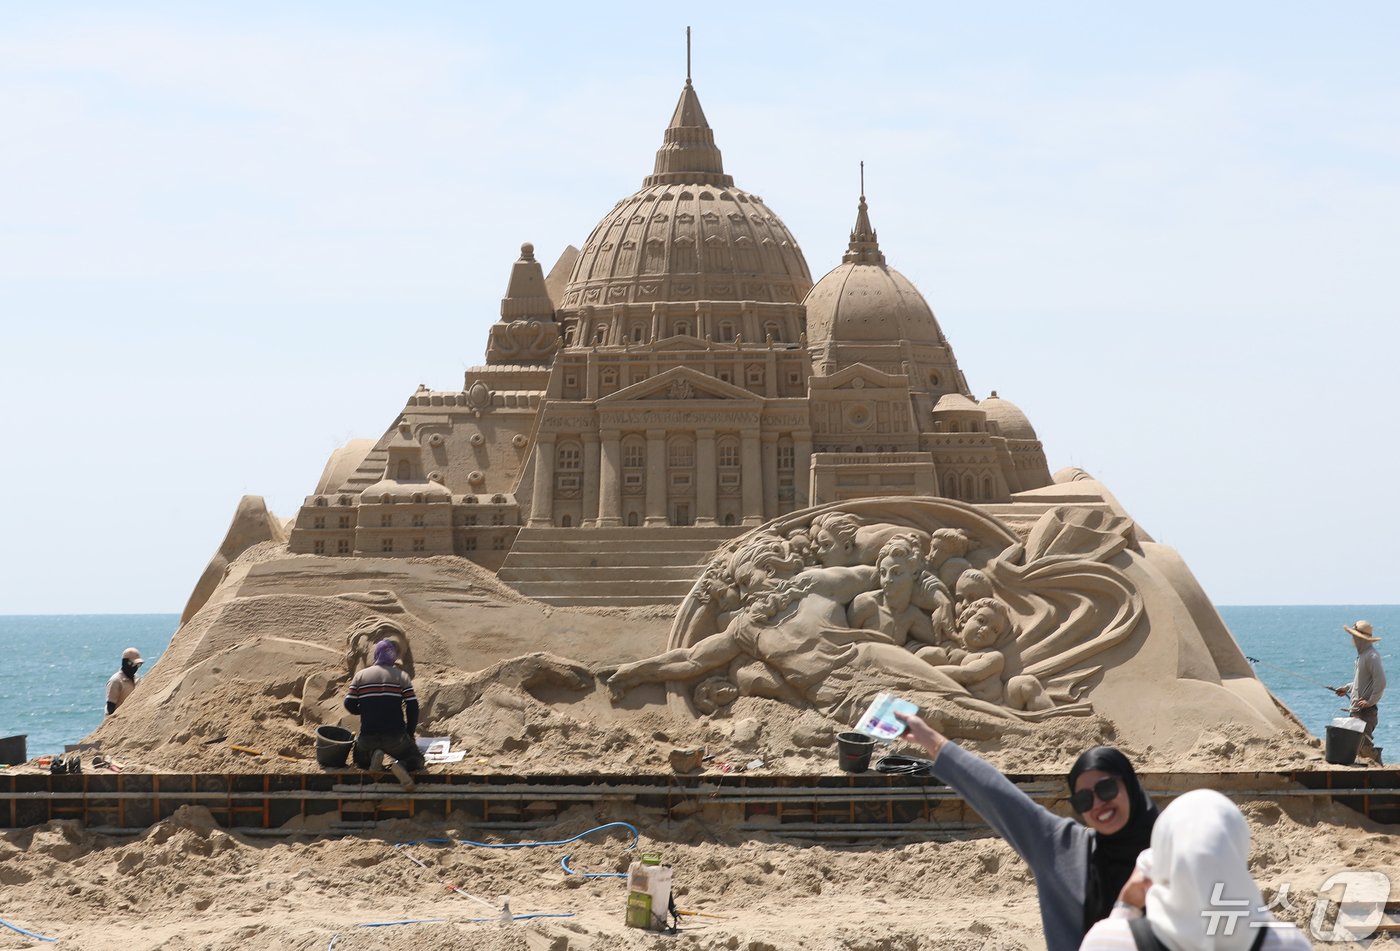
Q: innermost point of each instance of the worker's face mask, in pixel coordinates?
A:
(129, 668)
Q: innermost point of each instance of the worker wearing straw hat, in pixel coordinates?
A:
(1368, 683)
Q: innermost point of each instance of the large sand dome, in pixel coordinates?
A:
(689, 234)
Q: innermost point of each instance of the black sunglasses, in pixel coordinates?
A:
(1105, 789)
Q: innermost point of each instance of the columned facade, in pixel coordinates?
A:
(610, 481)
(542, 512)
(705, 477)
(656, 477)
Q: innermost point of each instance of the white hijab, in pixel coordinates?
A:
(1200, 863)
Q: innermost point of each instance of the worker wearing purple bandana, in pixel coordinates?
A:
(382, 697)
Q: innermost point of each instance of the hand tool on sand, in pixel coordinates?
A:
(256, 752)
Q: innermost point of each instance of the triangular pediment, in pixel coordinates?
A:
(677, 342)
(859, 376)
(679, 383)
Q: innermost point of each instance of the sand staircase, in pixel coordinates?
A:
(610, 566)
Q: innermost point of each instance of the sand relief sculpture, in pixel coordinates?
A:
(359, 644)
(927, 597)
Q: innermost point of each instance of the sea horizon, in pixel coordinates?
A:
(1293, 648)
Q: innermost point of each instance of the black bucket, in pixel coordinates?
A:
(333, 745)
(853, 751)
(14, 749)
(1342, 745)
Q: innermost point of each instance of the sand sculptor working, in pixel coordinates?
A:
(120, 684)
(1080, 870)
(383, 698)
(1368, 682)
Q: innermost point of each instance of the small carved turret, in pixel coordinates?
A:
(865, 246)
(527, 331)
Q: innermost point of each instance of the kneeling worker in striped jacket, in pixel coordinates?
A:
(381, 695)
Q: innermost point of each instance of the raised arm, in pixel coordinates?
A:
(1037, 834)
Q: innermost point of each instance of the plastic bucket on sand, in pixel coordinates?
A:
(1342, 745)
(14, 749)
(333, 745)
(853, 750)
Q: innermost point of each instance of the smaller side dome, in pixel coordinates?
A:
(864, 300)
(406, 492)
(956, 403)
(1008, 417)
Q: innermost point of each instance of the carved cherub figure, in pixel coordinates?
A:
(890, 608)
(973, 585)
(984, 626)
(947, 550)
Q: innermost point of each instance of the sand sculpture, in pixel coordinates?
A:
(689, 488)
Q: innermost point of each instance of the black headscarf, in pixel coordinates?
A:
(1112, 857)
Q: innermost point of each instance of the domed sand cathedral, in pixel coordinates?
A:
(677, 381)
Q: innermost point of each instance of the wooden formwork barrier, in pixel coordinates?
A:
(862, 806)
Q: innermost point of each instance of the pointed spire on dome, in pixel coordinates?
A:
(865, 246)
(688, 154)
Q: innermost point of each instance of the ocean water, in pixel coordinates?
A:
(1298, 650)
(57, 665)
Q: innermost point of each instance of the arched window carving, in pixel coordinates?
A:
(681, 453)
(987, 491)
(950, 486)
(969, 490)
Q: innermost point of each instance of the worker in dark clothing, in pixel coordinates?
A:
(382, 697)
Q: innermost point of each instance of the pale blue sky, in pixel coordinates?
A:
(234, 236)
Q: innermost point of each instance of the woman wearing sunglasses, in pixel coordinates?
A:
(1079, 869)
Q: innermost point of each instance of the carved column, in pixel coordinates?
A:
(770, 475)
(542, 505)
(706, 488)
(801, 469)
(591, 464)
(752, 468)
(610, 481)
(656, 477)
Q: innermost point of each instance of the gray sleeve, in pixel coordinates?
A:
(1037, 834)
(1377, 678)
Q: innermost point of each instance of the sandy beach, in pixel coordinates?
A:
(187, 884)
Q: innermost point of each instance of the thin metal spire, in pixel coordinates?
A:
(862, 179)
(687, 56)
